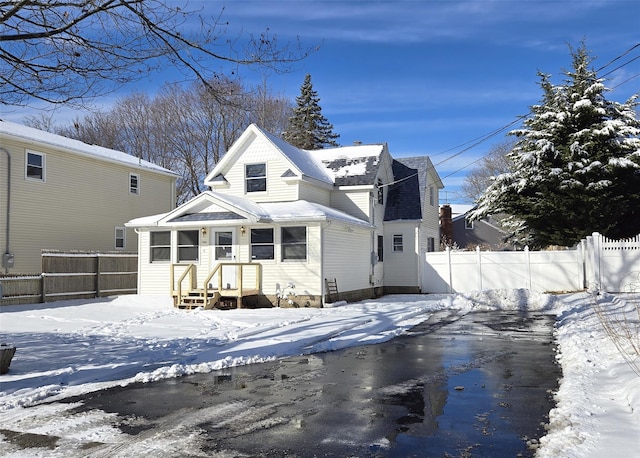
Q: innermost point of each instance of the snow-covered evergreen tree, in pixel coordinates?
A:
(308, 128)
(576, 165)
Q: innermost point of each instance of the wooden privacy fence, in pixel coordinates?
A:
(596, 263)
(74, 275)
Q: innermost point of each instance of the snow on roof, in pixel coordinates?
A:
(302, 210)
(302, 159)
(32, 135)
(351, 165)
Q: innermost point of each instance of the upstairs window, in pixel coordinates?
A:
(121, 242)
(256, 177)
(188, 245)
(35, 166)
(397, 243)
(262, 246)
(380, 248)
(160, 246)
(432, 197)
(134, 183)
(380, 193)
(294, 243)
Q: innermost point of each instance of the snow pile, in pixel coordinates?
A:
(74, 347)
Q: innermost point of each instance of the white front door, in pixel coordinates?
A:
(223, 241)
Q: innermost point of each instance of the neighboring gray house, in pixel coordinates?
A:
(458, 230)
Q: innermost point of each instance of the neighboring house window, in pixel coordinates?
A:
(256, 177)
(35, 166)
(431, 244)
(380, 248)
(134, 183)
(262, 246)
(224, 245)
(188, 247)
(468, 224)
(294, 243)
(397, 243)
(160, 246)
(120, 238)
(431, 196)
(380, 193)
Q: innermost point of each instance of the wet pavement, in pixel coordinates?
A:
(473, 386)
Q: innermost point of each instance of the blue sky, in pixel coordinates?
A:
(433, 77)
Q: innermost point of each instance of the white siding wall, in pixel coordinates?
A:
(401, 268)
(355, 203)
(78, 205)
(347, 257)
(258, 152)
(308, 192)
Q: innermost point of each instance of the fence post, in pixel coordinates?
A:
(479, 257)
(527, 260)
(448, 250)
(597, 259)
(97, 274)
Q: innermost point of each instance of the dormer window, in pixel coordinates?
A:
(256, 177)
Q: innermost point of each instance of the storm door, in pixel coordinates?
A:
(223, 242)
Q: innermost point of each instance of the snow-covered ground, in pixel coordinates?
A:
(74, 347)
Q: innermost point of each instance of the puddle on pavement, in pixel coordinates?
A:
(477, 386)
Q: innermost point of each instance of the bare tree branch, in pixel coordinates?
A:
(68, 52)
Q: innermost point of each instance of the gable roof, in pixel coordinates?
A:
(300, 160)
(217, 208)
(29, 134)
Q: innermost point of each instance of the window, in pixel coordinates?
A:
(121, 243)
(468, 224)
(134, 183)
(262, 246)
(160, 246)
(35, 166)
(224, 245)
(256, 177)
(380, 248)
(431, 244)
(294, 243)
(188, 247)
(431, 196)
(380, 193)
(397, 243)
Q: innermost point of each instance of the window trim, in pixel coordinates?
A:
(255, 178)
(296, 243)
(123, 230)
(252, 244)
(134, 190)
(42, 167)
(398, 243)
(196, 246)
(151, 247)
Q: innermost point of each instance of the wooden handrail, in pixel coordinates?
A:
(239, 285)
(190, 270)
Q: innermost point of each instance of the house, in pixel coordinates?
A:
(280, 221)
(460, 231)
(62, 194)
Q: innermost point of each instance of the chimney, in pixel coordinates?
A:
(446, 224)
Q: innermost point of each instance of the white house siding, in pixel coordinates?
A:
(401, 268)
(315, 194)
(347, 257)
(355, 203)
(258, 152)
(78, 205)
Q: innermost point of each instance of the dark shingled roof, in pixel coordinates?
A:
(208, 216)
(403, 196)
(367, 178)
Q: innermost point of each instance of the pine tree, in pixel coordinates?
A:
(308, 128)
(576, 165)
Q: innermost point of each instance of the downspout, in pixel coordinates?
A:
(7, 252)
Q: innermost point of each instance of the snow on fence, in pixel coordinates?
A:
(597, 263)
(75, 275)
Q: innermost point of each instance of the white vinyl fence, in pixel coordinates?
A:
(597, 263)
